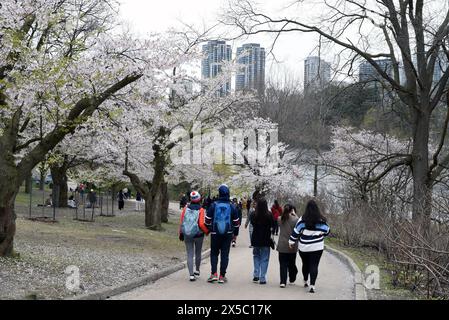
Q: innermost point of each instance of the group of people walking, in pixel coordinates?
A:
(222, 220)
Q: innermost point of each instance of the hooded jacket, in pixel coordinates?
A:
(224, 197)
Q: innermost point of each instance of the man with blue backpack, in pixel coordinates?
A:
(192, 230)
(223, 221)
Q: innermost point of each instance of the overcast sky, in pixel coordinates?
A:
(145, 16)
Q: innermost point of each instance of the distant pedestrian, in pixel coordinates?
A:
(92, 198)
(192, 229)
(310, 232)
(276, 211)
(263, 224)
(239, 211)
(287, 256)
(139, 201)
(248, 205)
(121, 200)
(222, 221)
(248, 222)
(182, 201)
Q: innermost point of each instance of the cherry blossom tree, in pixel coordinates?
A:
(60, 61)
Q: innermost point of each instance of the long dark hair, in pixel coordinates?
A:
(312, 215)
(261, 214)
(286, 212)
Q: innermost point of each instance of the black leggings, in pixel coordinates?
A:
(287, 267)
(310, 262)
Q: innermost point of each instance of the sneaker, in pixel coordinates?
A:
(306, 285)
(282, 285)
(233, 244)
(196, 273)
(312, 289)
(213, 277)
(255, 279)
(262, 282)
(192, 278)
(222, 279)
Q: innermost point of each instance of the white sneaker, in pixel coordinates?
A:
(192, 278)
(196, 273)
(282, 285)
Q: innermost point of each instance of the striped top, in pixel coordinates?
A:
(309, 240)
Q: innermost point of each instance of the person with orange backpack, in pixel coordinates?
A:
(192, 229)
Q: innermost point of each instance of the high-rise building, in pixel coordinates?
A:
(252, 74)
(367, 72)
(215, 53)
(317, 72)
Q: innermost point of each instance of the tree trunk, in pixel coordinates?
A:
(59, 176)
(42, 181)
(165, 202)
(9, 187)
(28, 184)
(422, 187)
(7, 229)
(154, 215)
(315, 181)
(156, 190)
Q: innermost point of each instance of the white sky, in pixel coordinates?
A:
(144, 16)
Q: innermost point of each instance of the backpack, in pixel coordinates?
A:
(190, 226)
(222, 217)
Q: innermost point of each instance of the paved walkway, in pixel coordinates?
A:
(335, 281)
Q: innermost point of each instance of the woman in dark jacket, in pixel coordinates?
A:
(287, 256)
(262, 222)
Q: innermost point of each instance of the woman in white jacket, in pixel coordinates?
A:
(309, 233)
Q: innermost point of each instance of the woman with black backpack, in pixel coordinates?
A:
(261, 241)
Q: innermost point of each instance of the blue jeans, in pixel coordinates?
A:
(261, 257)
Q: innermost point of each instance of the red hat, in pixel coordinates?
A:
(195, 196)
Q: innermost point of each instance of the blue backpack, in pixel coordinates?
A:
(222, 217)
(190, 226)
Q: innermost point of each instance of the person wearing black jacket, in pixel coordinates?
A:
(263, 224)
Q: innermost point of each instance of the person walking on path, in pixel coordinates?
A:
(192, 229)
(222, 220)
(138, 201)
(248, 205)
(121, 200)
(263, 224)
(92, 197)
(287, 256)
(248, 222)
(182, 201)
(310, 231)
(236, 204)
(276, 211)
